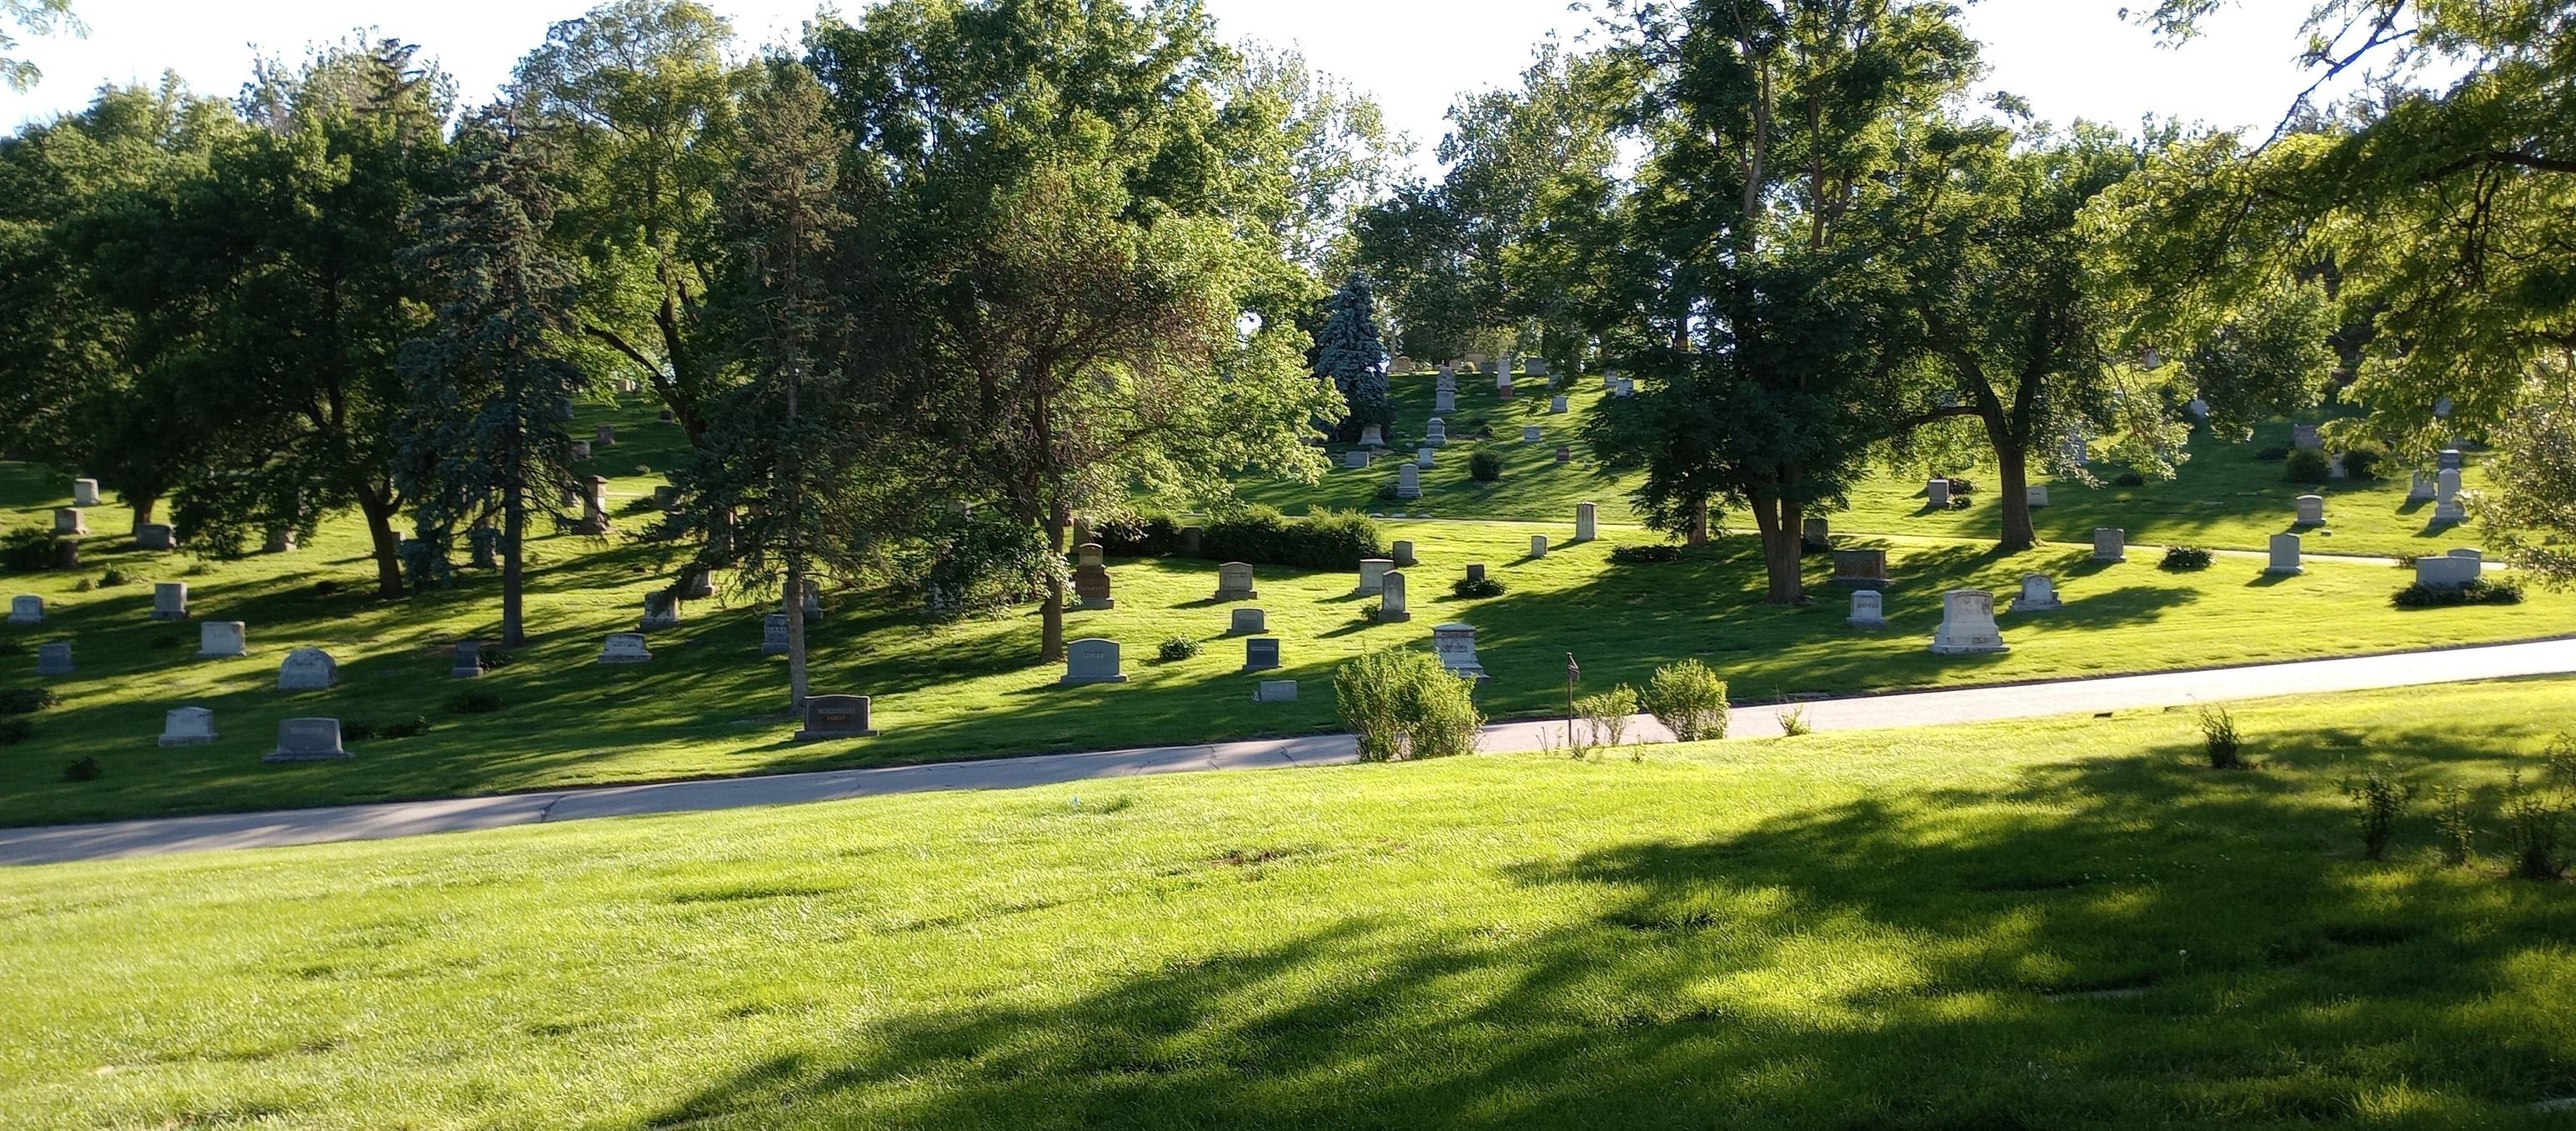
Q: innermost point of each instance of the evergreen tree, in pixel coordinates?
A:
(1349, 354)
(482, 434)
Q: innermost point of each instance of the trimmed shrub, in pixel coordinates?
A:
(15, 731)
(1484, 467)
(1474, 587)
(2479, 592)
(2128, 479)
(12, 648)
(1793, 722)
(2306, 465)
(1605, 715)
(2183, 558)
(473, 703)
(356, 731)
(27, 551)
(1402, 704)
(112, 578)
(1176, 648)
(1689, 699)
(1649, 554)
(26, 700)
(1960, 486)
(84, 770)
(1330, 540)
(2361, 461)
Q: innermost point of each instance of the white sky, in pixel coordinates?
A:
(2070, 58)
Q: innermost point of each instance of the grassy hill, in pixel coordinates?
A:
(2057, 923)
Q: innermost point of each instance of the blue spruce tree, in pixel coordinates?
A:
(1350, 353)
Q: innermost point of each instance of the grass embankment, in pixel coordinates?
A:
(2054, 923)
(710, 705)
(2223, 496)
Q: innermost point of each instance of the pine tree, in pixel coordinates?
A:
(1350, 353)
(482, 435)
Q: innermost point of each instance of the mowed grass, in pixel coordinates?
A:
(2054, 923)
(709, 704)
(2222, 497)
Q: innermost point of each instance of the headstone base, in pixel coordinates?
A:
(301, 756)
(202, 739)
(1275, 691)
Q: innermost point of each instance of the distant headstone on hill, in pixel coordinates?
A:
(26, 608)
(1455, 644)
(67, 520)
(222, 639)
(307, 669)
(84, 492)
(187, 726)
(1391, 607)
(1247, 621)
(2285, 555)
(2110, 544)
(307, 740)
(1092, 660)
(1968, 624)
(54, 657)
(169, 600)
(2310, 510)
(1234, 582)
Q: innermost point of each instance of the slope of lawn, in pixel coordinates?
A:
(2223, 496)
(2057, 923)
(709, 704)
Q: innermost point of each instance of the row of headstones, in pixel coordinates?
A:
(1094, 660)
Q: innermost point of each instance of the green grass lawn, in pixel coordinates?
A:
(710, 705)
(2056, 923)
(2223, 496)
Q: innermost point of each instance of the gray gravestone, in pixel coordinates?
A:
(1534, 366)
(1402, 553)
(484, 544)
(836, 716)
(2110, 544)
(1864, 569)
(2311, 510)
(1275, 691)
(1246, 622)
(1436, 433)
(1372, 437)
(1455, 644)
(1816, 534)
(1564, 454)
(26, 608)
(1390, 606)
(606, 437)
(2038, 594)
(624, 648)
(1373, 573)
(1092, 660)
(661, 610)
(307, 740)
(1355, 459)
(1408, 481)
(1234, 582)
(1529, 433)
(307, 669)
(280, 540)
(2446, 571)
(1475, 571)
(2422, 487)
(1556, 404)
(1937, 493)
(2198, 409)
(594, 506)
(2450, 460)
(1261, 653)
(1192, 537)
(1586, 521)
(1968, 624)
(2285, 555)
(169, 600)
(54, 657)
(187, 726)
(221, 640)
(811, 608)
(1444, 400)
(155, 536)
(2447, 506)
(1424, 457)
(1538, 545)
(67, 520)
(581, 449)
(469, 660)
(1868, 609)
(1627, 388)
(2305, 436)
(84, 492)
(773, 634)
(2036, 494)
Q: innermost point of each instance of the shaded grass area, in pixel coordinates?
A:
(2223, 496)
(2050, 923)
(710, 705)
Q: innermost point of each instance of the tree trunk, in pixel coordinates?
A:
(380, 529)
(1051, 610)
(1783, 558)
(791, 477)
(1699, 523)
(793, 601)
(142, 505)
(2013, 480)
(514, 530)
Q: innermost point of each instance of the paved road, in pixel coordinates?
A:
(1919, 708)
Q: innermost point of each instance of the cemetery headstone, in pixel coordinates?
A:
(2334, 467)
(773, 634)
(155, 536)
(84, 492)
(1586, 521)
(1355, 459)
(54, 657)
(187, 726)
(1275, 691)
(1091, 580)
(811, 609)
(2422, 487)
(1475, 571)
(2447, 506)
(483, 544)
(1390, 605)
(2110, 544)
(222, 639)
(1261, 653)
(563, 408)
(1936, 492)
(469, 660)
(1455, 644)
(1234, 582)
(594, 506)
(1193, 537)
(1401, 553)
(2305, 436)
(696, 583)
(2450, 460)
(2198, 409)
(836, 716)
(26, 608)
(606, 437)
(1444, 400)
(2285, 555)
(1564, 454)
(2441, 408)
(581, 449)
(1529, 433)
(1816, 534)
(307, 669)
(666, 497)
(2038, 594)
(2037, 494)
(1435, 433)
(1092, 660)
(307, 740)
(1534, 366)
(1248, 622)
(2311, 510)
(1372, 437)
(67, 520)
(1556, 404)
(1424, 457)
(1408, 481)
(1968, 624)
(1373, 573)
(1538, 545)
(1402, 364)
(1868, 609)
(1860, 569)
(624, 648)
(169, 600)
(280, 540)
(1489, 365)
(67, 554)
(1627, 387)
(2446, 571)
(661, 610)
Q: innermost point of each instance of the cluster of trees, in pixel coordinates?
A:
(1784, 215)
(916, 293)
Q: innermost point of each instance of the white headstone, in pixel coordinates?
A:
(84, 492)
(1373, 573)
(624, 648)
(1390, 606)
(169, 600)
(1538, 545)
(2110, 544)
(1234, 582)
(26, 608)
(221, 639)
(2447, 506)
(187, 726)
(1275, 691)
(2446, 571)
(1529, 433)
(1455, 644)
(1586, 521)
(2311, 510)
(67, 520)
(2285, 555)
(1968, 624)
(307, 669)
(1408, 481)
(2037, 494)
(1868, 609)
(306, 740)
(1092, 660)
(1436, 433)
(2038, 594)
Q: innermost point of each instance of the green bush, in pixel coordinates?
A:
(1605, 715)
(2219, 736)
(2272, 455)
(2479, 592)
(1402, 704)
(1649, 554)
(13, 648)
(1177, 648)
(2182, 558)
(2535, 819)
(2361, 461)
(26, 700)
(2306, 465)
(2459, 831)
(1484, 467)
(84, 770)
(473, 703)
(112, 578)
(27, 551)
(2128, 479)
(1474, 587)
(355, 731)
(1327, 540)
(15, 731)
(2377, 802)
(1689, 699)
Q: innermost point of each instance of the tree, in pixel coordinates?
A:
(1052, 203)
(1349, 355)
(481, 434)
(36, 17)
